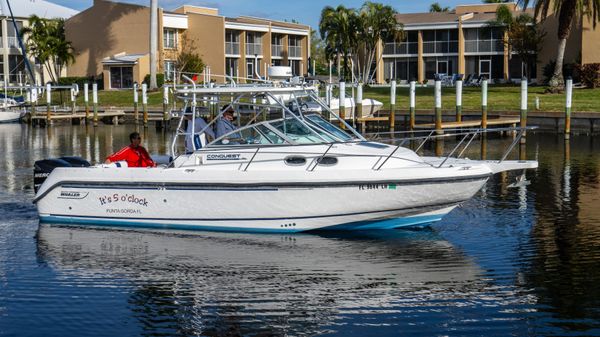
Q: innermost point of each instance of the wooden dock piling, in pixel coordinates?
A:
(568, 103)
(48, 104)
(459, 90)
(393, 106)
(342, 105)
(145, 103)
(358, 112)
(484, 103)
(523, 106)
(136, 112)
(412, 104)
(86, 101)
(95, 102)
(438, 105)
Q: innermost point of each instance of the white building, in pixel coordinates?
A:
(12, 64)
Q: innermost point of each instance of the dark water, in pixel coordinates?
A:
(523, 261)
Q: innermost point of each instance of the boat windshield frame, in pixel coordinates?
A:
(262, 96)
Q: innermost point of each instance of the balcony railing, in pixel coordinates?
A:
(484, 46)
(253, 48)
(440, 47)
(232, 48)
(277, 50)
(295, 51)
(402, 48)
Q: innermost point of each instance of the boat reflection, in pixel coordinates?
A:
(202, 282)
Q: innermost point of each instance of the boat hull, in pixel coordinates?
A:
(381, 205)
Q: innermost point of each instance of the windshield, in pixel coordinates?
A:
(319, 122)
(300, 133)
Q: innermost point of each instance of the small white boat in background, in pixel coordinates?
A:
(369, 107)
(10, 111)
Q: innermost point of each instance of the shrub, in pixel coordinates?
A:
(569, 69)
(160, 80)
(589, 74)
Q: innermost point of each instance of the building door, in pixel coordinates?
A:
(485, 68)
(121, 77)
(442, 67)
(250, 69)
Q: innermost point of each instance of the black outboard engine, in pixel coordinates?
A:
(43, 168)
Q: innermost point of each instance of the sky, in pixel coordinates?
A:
(304, 11)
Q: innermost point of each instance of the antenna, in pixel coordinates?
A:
(26, 60)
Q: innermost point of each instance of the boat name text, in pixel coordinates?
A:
(224, 156)
(116, 197)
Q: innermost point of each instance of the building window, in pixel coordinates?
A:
(13, 41)
(121, 77)
(16, 69)
(231, 66)
(277, 45)
(296, 67)
(170, 74)
(253, 43)
(170, 38)
(294, 46)
(232, 42)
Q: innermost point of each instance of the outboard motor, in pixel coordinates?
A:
(43, 168)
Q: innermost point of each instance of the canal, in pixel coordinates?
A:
(512, 261)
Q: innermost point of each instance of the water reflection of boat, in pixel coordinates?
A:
(269, 276)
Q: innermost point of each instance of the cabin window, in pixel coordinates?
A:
(327, 161)
(295, 161)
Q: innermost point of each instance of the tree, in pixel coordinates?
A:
(522, 35)
(566, 11)
(188, 61)
(437, 8)
(339, 31)
(153, 41)
(45, 40)
(377, 22)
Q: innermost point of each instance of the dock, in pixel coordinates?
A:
(502, 121)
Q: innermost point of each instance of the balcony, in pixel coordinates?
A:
(277, 50)
(402, 48)
(295, 51)
(253, 48)
(484, 46)
(440, 47)
(232, 48)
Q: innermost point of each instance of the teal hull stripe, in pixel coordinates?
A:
(360, 225)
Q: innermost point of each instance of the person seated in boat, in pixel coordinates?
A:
(134, 154)
(225, 124)
(197, 139)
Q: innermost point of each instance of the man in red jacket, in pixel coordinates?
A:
(134, 154)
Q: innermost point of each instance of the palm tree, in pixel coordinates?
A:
(46, 42)
(377, 23)
(437, 8)
(153, 41)
(338, 27)
(566, 11)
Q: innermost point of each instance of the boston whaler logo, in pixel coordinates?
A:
(72, 195)
(224, 156)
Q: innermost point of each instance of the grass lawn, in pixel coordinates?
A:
(500, 98)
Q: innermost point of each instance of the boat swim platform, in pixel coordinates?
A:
(502, 121)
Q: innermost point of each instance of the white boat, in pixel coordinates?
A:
(10, 111)
(290, 173)
(370, 106)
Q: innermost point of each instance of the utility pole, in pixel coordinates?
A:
(153, 42)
